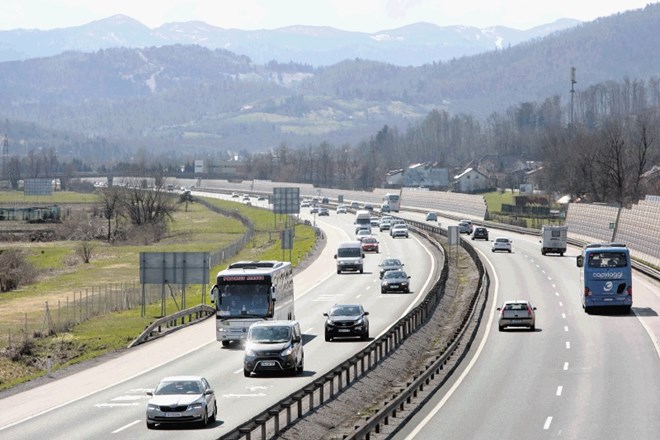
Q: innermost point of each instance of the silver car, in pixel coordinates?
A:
(517, 313)
(181, 399)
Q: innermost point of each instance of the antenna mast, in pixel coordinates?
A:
(573, 81)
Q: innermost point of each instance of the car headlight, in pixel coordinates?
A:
(195, 405)
(249, 353)
(152, 407)
(287, 351)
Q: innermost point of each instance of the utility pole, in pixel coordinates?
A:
(573, 81)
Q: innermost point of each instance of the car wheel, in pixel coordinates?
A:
(361, 270)
(501, 328)
(338, 270)
(151, 425)
(365, 335)
(532, 328)
(561, 254)
(542, 251)
(301, 367)
(509, 250)
(214, 416)
(205, 421)
(382, 290)
(327, 338)
(407, 290)
(492, 250)
(246, 373)
(225, 343)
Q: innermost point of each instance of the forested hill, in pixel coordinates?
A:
(190, 98)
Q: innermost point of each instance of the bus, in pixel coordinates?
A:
(393, 201)
(251, 291)
(606, 276)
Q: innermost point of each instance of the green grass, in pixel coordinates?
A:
(57, 198)
(495, 200)
(198, 229)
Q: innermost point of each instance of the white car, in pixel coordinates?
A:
(181, 399)
(502, 244)
(362, 233)
(399, 230)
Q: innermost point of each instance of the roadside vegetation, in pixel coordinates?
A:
(60, 271)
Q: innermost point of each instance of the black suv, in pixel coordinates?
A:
(480, 233)
(346, 320)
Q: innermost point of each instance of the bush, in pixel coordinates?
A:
(16, 270)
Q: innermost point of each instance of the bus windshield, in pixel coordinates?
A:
(240, 300)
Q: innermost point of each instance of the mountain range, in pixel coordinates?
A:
(192, 99)
(413, 45)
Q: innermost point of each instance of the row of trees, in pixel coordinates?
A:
(598, 152)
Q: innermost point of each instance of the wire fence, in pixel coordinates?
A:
(85, 304)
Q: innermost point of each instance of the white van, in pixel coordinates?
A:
(349, 256)
(362, 220)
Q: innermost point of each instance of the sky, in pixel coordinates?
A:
(350, 15)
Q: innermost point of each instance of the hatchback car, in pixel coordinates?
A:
(341, 210)
(501, 244)
(431, 217)
(370, 244)
(517, 313)
(375, 222)
(323, 212)
(384, 225)
(399, 230)
(480, 233)
(314, 210)
(346, 320)
(362, 233)
(181, 399)
(395, 280)
(464, 227)
(390, 264)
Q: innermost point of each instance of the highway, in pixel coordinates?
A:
(577, 376)
(109, 400)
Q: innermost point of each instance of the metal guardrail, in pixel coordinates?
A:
(300, 403)
(175, 321)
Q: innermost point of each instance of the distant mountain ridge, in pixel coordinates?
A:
(412, 45)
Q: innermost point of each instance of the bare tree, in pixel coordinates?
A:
(110, 200)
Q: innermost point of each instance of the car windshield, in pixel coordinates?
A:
(178, 387)
(515, 306)
(349, 252)
(502, 240)
(345, 311)
(369, 240)
(269, 334)
(394, 274)
(391, 263)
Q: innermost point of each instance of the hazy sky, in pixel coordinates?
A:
(354, 15)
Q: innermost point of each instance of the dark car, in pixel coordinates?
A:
(390, 264)
(273, 346)
(480, 233)
(345, 321)
(395, 280)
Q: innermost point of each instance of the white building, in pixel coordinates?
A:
(470, 181)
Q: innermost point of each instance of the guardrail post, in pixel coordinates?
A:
(261, 422)
(247, 432)
(275, 415)
(287, 406)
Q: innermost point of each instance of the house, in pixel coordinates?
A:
(470, 181)
(420, 175)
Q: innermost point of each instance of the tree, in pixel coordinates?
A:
(110, 200)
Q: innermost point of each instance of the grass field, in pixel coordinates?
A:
(62, 274)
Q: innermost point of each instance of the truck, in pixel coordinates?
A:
(553, 239)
